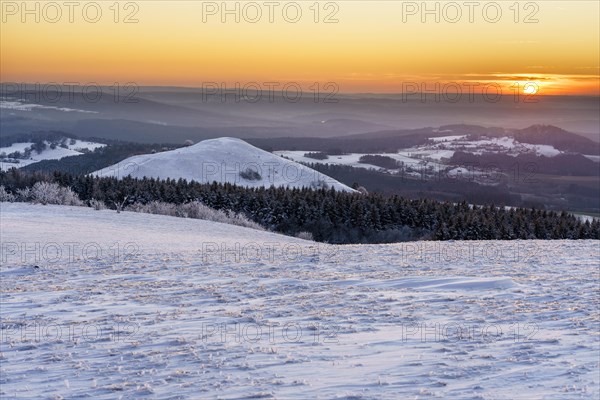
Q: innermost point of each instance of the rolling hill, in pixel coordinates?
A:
(224, 160)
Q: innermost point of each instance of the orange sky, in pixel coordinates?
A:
(375, 46)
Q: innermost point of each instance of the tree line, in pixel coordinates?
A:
(329, 215)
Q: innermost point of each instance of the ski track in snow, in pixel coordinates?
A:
(144, 325)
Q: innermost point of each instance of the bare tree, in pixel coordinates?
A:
(120, 205)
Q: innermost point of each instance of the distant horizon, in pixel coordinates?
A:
(231, 86)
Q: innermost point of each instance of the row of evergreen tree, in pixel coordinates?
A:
(331, 216)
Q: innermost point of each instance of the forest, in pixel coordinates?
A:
(330, 216)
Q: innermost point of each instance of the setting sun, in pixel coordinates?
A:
(360, 47)
(531, 88)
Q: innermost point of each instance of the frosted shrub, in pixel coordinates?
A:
(70, 198)
(52, 193)
(241, 220)
(5, 196)
(305, 236)
(154, 207)
(24, 194)
(195, 210)
(97, 204)
(198, 210)
(44, 193)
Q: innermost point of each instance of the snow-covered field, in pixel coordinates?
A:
(354, 158)
(428, 160)
(75, 149)
(147, 306)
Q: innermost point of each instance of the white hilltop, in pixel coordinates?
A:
(224, 160)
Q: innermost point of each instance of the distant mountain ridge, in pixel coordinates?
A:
(173, 114)
(557, 137)
(392, 140)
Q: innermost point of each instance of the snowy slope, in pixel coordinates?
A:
(151, 232)
(222, 160)
(47, 154)
(433, 159)
(148, 306)
(434, 155)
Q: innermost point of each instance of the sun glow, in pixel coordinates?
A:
(531, 88)
(360, 46)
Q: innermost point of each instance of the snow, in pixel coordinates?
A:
(438, 155)
(165, 307)
(21, 105)
(543, 149)
(503, 144)
(221, 160)
(351, 159)
(593, 158)
(47, 154)
(431, 159)
(15, 147)
(448, 138)
(459, 171)
(445, 146)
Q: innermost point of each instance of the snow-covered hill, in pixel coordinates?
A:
(436, 153)
(149, 232)
(146, 306)
(222, 160)
(434, 158)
